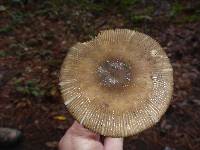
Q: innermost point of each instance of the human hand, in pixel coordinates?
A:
(79, 138)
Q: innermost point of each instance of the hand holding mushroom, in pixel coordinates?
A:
(79, 138)
(118, 84)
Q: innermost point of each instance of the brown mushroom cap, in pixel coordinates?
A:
(118, 84)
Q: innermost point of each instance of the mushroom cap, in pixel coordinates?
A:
(117, 84)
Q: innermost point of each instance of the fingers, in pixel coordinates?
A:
(78, 130)
(79, 138)
(113, 143)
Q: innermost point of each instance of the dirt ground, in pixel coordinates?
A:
(35, 36)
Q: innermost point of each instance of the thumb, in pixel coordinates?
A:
(113, 143)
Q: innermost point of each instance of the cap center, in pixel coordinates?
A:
(114, 73)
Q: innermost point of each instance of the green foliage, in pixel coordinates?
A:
(53, 6)
(30, 88)
(2, 54)
(56, 6)
(18, 17)
(144, 15)
(177, 8)
(107, 4)
(192, 18)
(140, 18)
(89, 5)
(17, 50)
(6, 29)
(93, 7)
(127, 3)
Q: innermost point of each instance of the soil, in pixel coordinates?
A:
(35, 36)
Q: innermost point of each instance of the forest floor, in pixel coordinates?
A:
(35, 36)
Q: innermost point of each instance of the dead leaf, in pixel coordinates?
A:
(60, 118)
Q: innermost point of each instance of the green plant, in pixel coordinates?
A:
(17, 50)
(30, 88)
(139, 18)
(127, 3)
(6, 29)
(90, 5)
(2, 53)
(18, 17)
(177, 8)
(192, 18)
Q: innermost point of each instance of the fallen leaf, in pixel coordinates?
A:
(60, 117)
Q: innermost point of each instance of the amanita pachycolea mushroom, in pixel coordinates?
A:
(118, 84)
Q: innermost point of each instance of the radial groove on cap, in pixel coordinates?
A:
(118, 84)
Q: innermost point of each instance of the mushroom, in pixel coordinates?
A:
(117, 84)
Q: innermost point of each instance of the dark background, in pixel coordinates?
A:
(35, 36)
